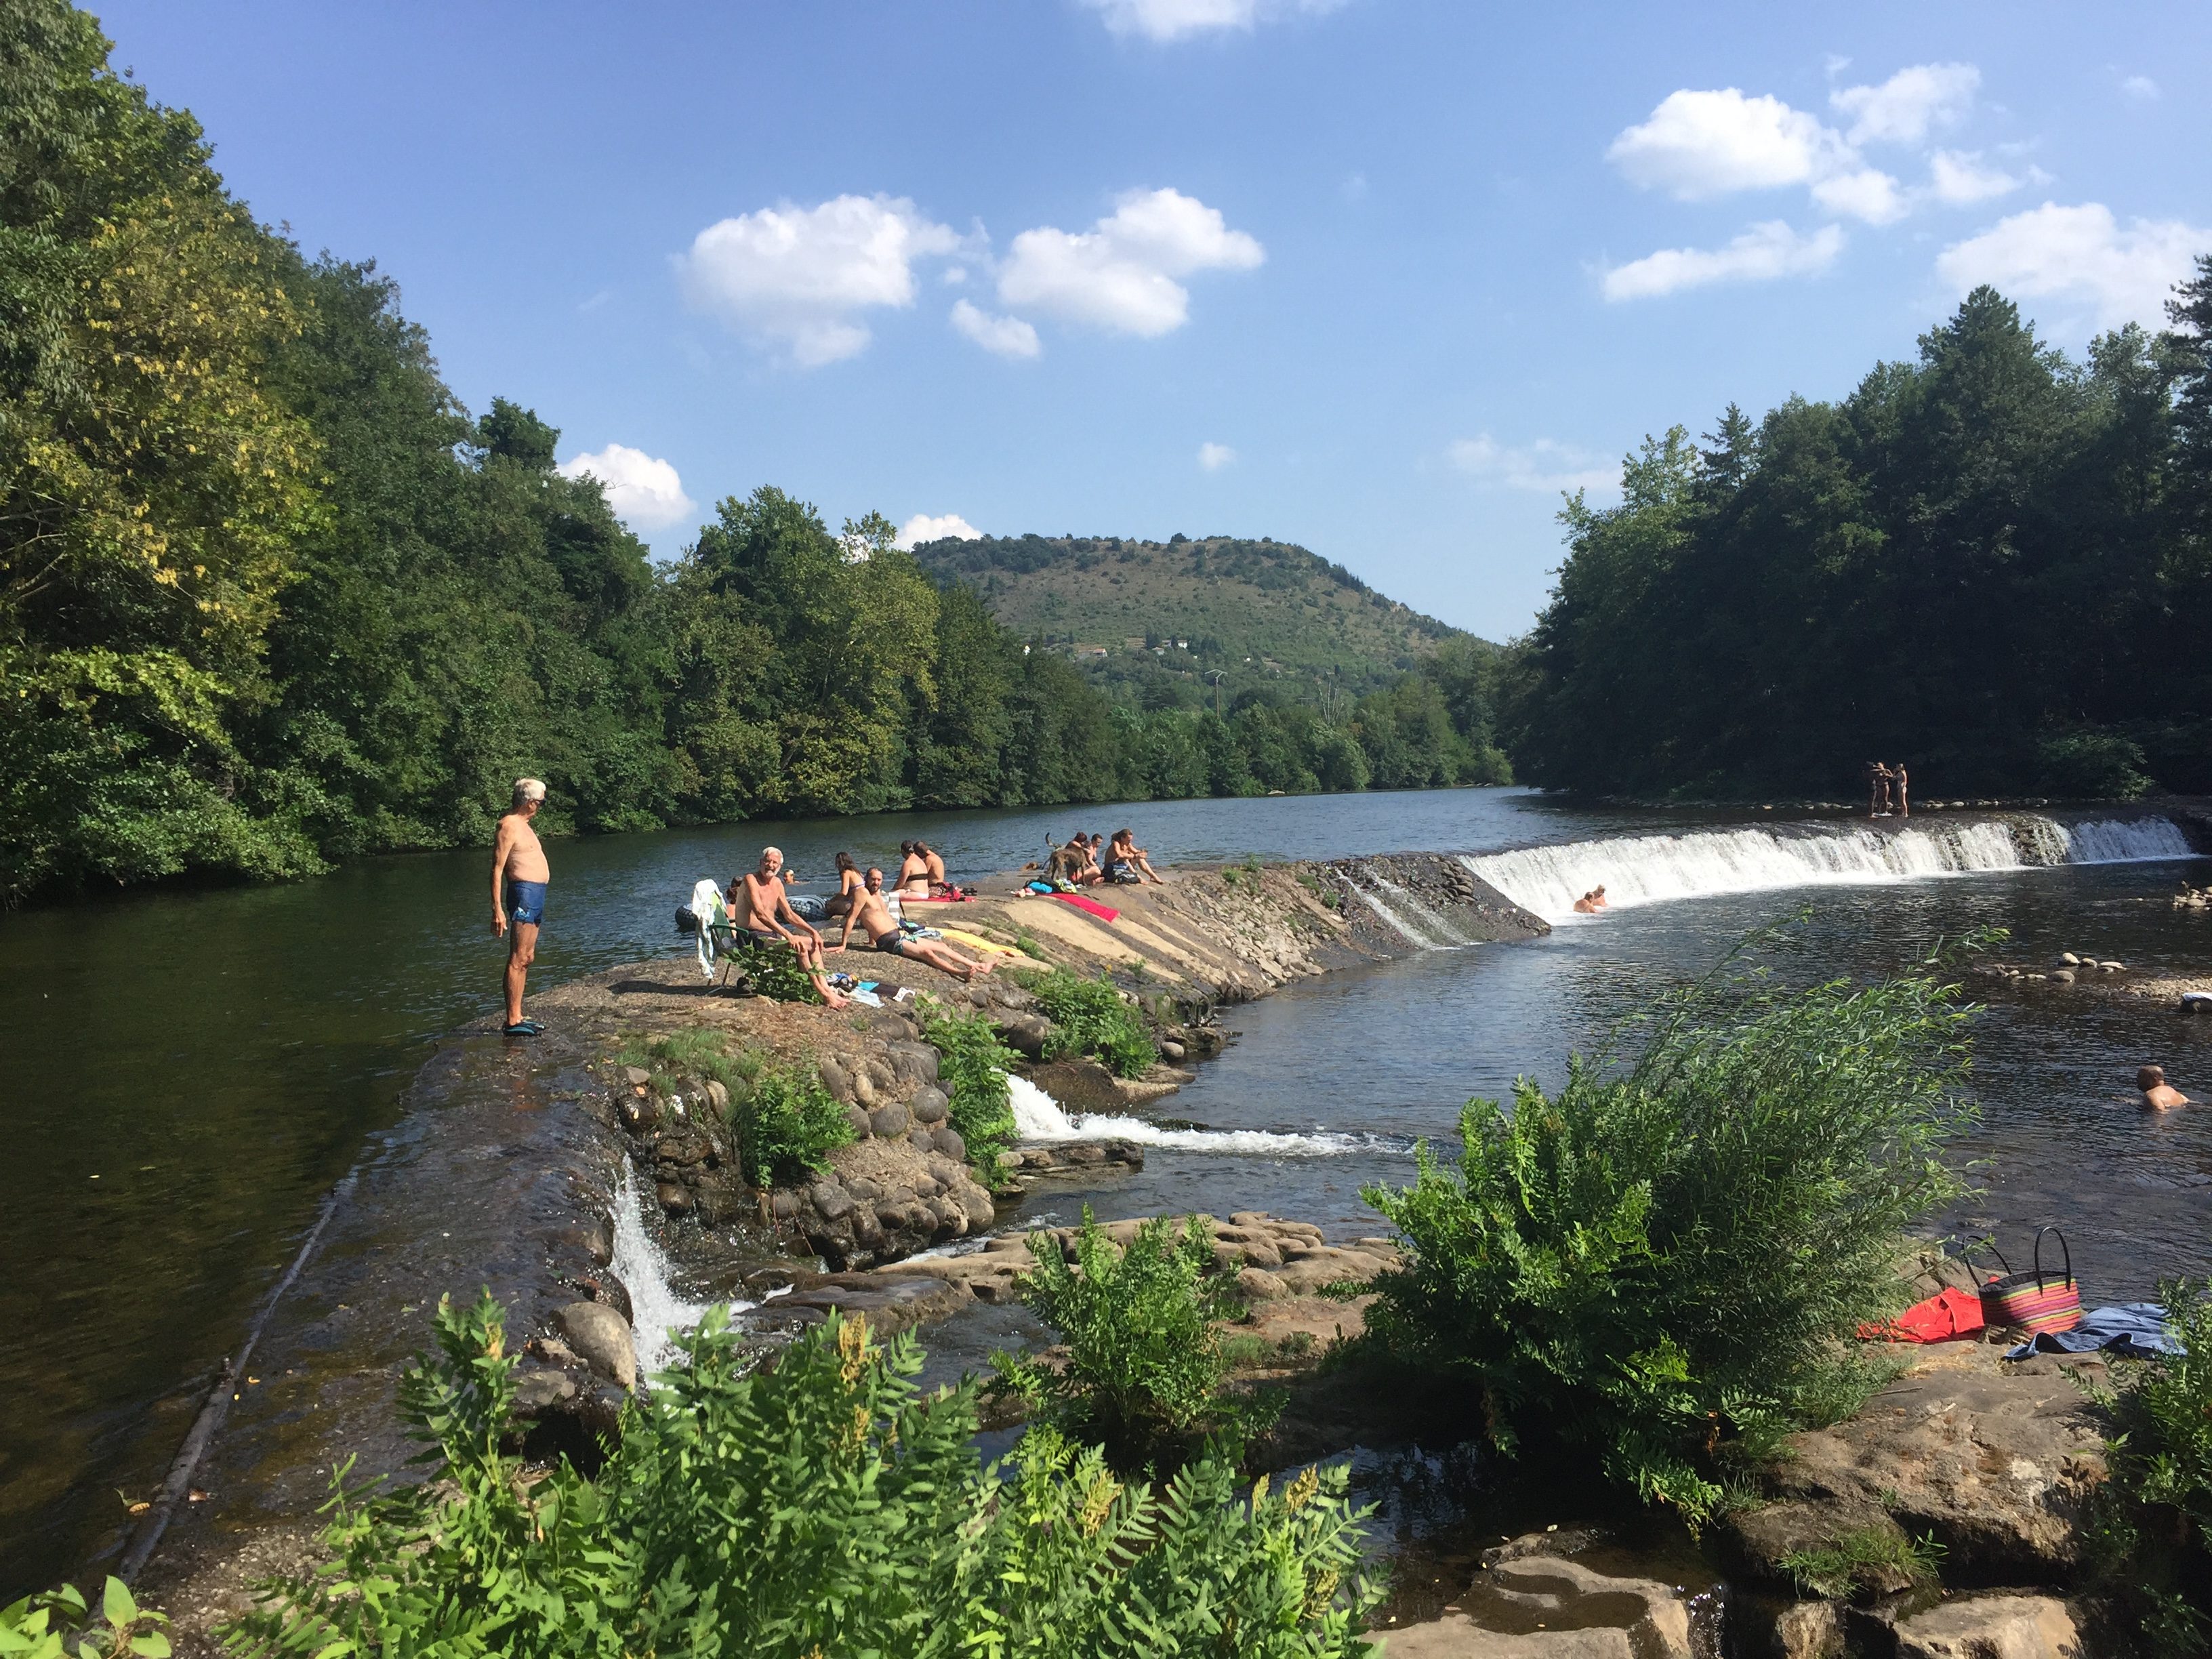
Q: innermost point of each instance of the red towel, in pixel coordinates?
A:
(938, 898)
(1948, 1313)
(1103, 912)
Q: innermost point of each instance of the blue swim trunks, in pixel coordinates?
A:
(526, 902)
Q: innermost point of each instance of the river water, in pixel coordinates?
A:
(189, 1072)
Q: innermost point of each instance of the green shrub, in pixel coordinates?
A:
(1028, 943)
(1090, 1018)
(695, 1051)
(786, 1122)
(59, 1625)
(972, 1067)
(820, 1505)
(2155, 1513)
(1666, 1257)
(1863, 1559)
(773, 970)
(1144, 1363)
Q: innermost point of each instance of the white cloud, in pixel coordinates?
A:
(1762, 253)
(644, 491)
(2080, 254)
(801, 277)
(1007, 336)
(1173, 20)
(923, 527)
(1959, 177)
(1870, 194)
(1120, 273)
(2141, 87)
(1545, 464)
(1214, 457)
(1696, 145)
(1906, 107)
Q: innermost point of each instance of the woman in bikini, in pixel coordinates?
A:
(914, 871)
(849, 882)
(1124, 852)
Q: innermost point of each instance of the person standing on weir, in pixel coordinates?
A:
(1897, 791)
(518, 875)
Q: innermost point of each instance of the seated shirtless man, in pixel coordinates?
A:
(1590, 902)
(760, 906)
(868, 910)
(2159, 1095)
(932, 868)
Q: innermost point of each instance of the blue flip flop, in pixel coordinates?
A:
(522, 1028)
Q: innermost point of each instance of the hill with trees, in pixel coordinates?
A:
(1251, 613)
(1993, 561)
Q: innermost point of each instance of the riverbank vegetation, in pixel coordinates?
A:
(819, 1505)
(271, 597)
(1993, 560)
(1090, 1019)
(1665, 1261)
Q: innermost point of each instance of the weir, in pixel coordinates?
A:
(1655, 869)
(656, 1306)
(1039, 1117)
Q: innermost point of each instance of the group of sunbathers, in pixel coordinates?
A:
(1079, 863)
(761, 908)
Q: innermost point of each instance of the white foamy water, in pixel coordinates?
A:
(1038, 1116)
(656, 1308)
(1654, 869)
(1405, 912)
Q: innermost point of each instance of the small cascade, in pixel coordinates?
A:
(656, 1308)
(1038, 1116)
(1398, 911)
(1654, 869)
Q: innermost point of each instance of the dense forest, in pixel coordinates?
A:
(1992, 561)
(270, 597)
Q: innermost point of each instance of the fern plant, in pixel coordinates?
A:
(1090, 1018)
(821, 1504)
(787, 1123)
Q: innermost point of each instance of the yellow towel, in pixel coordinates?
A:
(975, 943)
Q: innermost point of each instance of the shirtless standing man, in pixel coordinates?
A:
(518, 875)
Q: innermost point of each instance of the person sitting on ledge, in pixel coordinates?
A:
(2159, 1095)
(883, 930)
(914, 871)
(849, 883)
(759, 907)
(933, 868)
(1122, 852)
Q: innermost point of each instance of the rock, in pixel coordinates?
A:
(2063, 976)
(783, 1205)
(1996, 1626)
(1256, 1286)
(1769, 1627)
(947, 1141)
(863, 1125)
(914, 1062)
(836, 1078)
(602, 1336)
(1169, 1048)
(2000, 1467)
(609, 1291)
(536, 1391)
(975, 1205)
(639, 1113)
(675, 1197)
(637, 1076)
(1661, 1628)
(1026, 1034)
(718, 1094)
(878, 1073)
(864, 1090)
(2113, 967)
(2069, 958)
(890, 1122)
(929, 1106)
(830, 1200)
(1455, 1635)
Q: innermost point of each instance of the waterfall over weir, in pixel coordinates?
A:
(1653, 869)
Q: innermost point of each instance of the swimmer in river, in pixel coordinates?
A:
(1591, 902)
(2159, 1095)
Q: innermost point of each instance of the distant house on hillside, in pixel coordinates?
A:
(1136, 643)
(1090, 650)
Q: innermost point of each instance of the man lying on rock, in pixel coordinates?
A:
(883, 929)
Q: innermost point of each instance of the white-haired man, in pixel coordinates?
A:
(518, 875)
(760, 906)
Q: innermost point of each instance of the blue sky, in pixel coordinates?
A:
(1378, 277)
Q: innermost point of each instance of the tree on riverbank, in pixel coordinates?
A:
(1992, 560)
(271, 597)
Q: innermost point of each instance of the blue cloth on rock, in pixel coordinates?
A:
(2133, 1330)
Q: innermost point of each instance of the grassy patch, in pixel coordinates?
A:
(1864, 1559)
(1090, 1018)
(787, 1122)
(972, 1067)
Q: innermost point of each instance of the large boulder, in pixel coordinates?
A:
(1026, 1034)
(602, 1337)
(1999, 1465)
(2003, 1625)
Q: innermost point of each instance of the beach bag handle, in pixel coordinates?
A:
(2066, 1256)
(1966, 1256)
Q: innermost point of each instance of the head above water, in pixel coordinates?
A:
(529, 795)
(2151, 1077)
